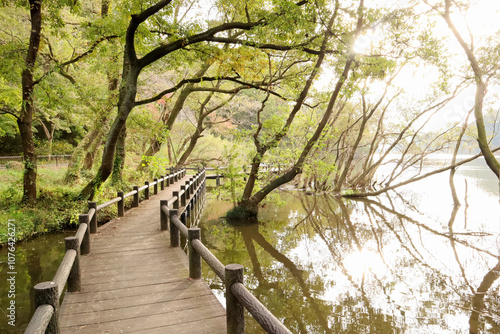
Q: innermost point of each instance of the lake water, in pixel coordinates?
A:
(35, 261)
(402, 262)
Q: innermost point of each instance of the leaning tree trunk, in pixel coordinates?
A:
(482, 139)
(251, 205)
(49, 134)
(126, 103)
(25, 121)
(84, 154)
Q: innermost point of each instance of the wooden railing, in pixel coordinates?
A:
(48, 294)
(186, 205)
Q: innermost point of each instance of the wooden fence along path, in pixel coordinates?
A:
(134, 279)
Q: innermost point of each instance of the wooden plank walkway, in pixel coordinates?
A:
(133, 281)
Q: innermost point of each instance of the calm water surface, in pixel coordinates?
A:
(36, 261)
(403, 262)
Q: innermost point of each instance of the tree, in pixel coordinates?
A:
(33, 74)
(28, 107)
(134, 64)
(84, 154)
(249, 202)
(483, 70)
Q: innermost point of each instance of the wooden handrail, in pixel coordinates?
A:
(238, 297)
(212, 261)
(133, 192)
(48, 294)
(62, 274)
(259, 312)
(92, 212)
(40, 319)
(80, 233)
(108, 203)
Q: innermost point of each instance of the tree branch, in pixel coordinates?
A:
(418, 178)
(301, 47)
(163, 50)
(136, 20)
(74, 60)
(176, 87)
(8, 110)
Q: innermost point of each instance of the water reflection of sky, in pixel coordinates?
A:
(403, 262)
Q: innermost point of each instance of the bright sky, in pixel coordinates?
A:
(482, 20)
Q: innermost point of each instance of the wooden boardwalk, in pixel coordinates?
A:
(133, 281)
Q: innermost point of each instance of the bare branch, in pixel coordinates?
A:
(59, 65)
(301, 47)
(4, 109)
(418, 178)
(176, 87)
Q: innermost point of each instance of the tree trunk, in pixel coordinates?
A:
(119, 162)
(251, 205)
(84, 155)
(454, 195)
(156, 144)
(25, 121)
(128, 91)
(50, 137)
(415, 179)
(73, 171)
(478, 299)
(482, 139)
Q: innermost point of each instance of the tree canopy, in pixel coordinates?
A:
(321, 89)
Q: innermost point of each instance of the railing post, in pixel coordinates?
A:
(163, 215)
(155, 188)
(121, 204)
(85, 246)
(146, 191)
(194, 257)
(171, 170)
(235, 312)
(176, 203)
(46, 293)
(183, 196)
(162, 184)
(217, 181)
(183, 218)
(168, 180)
(192, 186)
(174, 231)
(93, 221)
(136, 197)
(187, 186)
(74, 278)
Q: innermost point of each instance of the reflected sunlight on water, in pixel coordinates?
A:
(402, 262)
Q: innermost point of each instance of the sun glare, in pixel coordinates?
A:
(367, 41)
(364, 262)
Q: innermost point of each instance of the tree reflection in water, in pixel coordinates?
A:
(325, 265)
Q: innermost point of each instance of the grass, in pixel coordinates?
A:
(57, 207)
